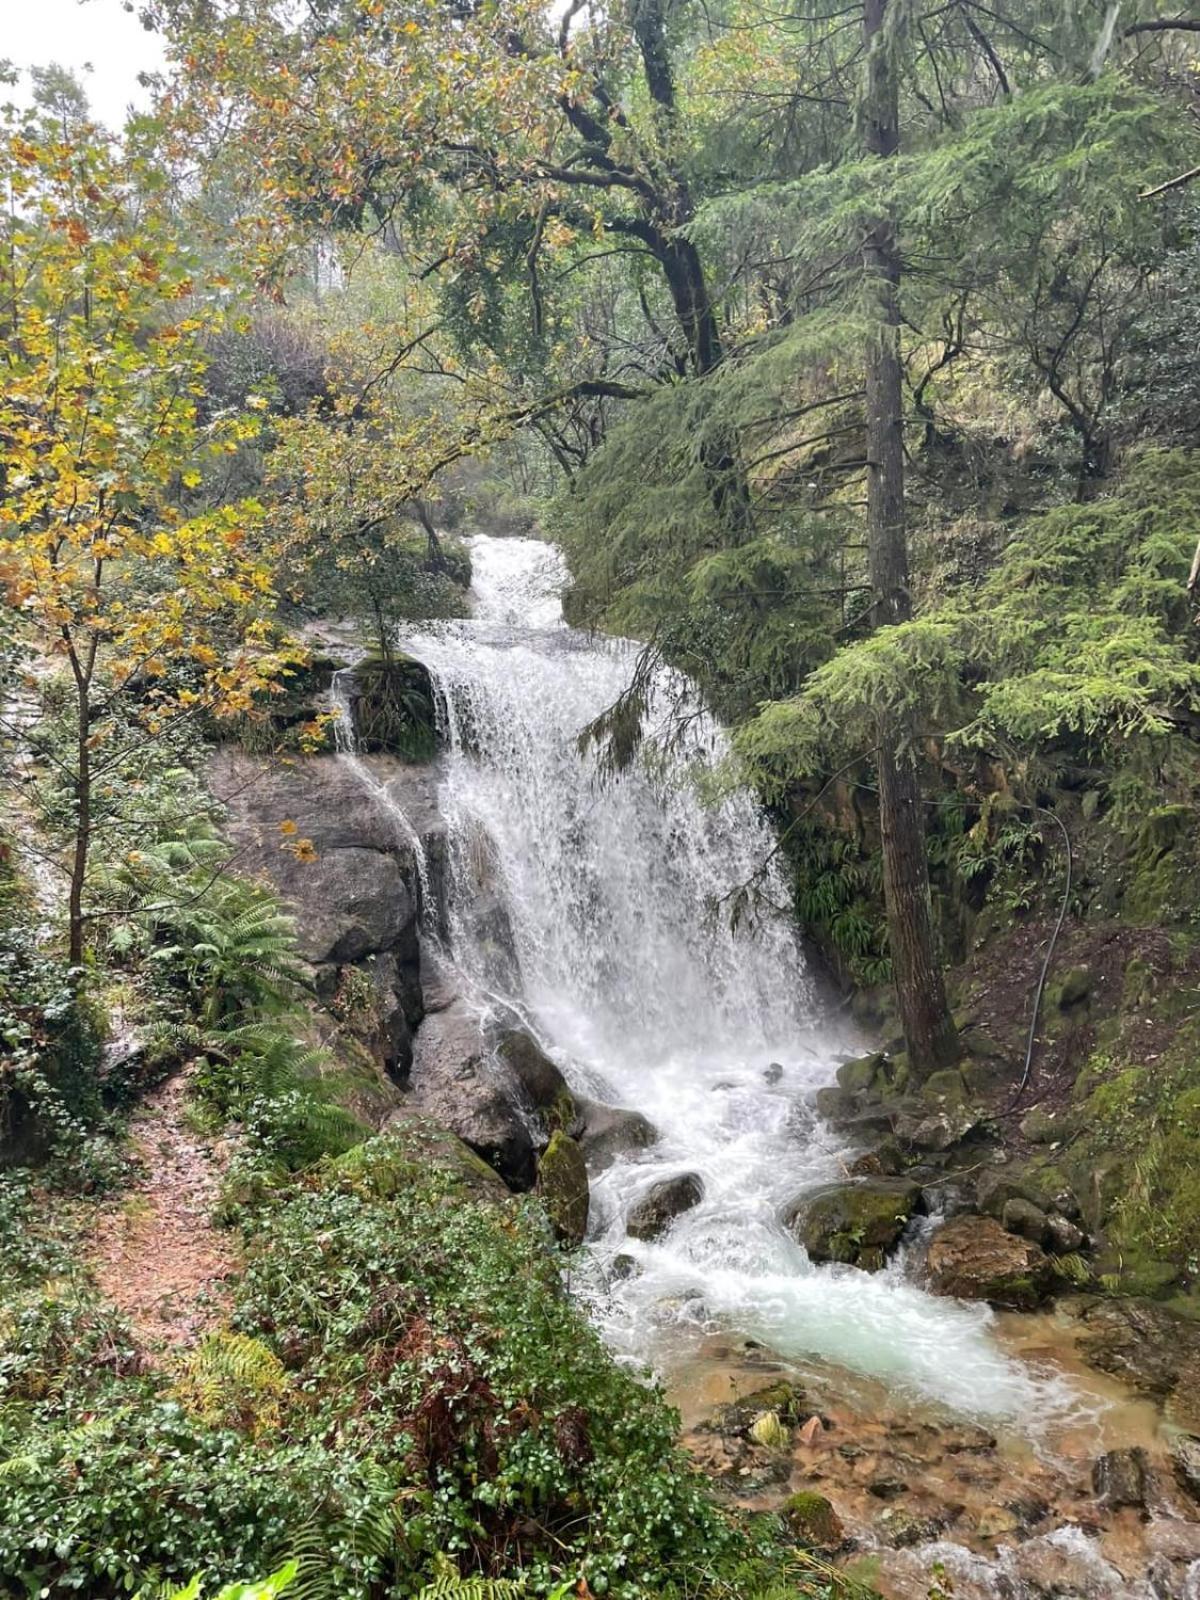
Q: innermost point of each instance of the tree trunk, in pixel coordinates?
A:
(920, 990)
(83, 820)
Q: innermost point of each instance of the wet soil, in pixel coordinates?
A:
(156, 1254)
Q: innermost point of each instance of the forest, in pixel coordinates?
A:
(599, 736)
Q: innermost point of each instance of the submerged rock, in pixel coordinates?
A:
(1119, 1478)
(663, 1202)
(857, 1222)
(1150, 1348)
(973, 1258)
(610, 1132)
(454, 1081)
(562, 1183)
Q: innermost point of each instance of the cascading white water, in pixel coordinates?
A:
(649, 1002)
(346, 744)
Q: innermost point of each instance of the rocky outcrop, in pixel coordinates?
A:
(1150, 1348)
(455, 1081)
(858, 1223)
(662, 1204)
(974, 1258)
(610, 1132)
(354, 889)
(562, 1183)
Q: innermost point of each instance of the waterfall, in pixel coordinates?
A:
(601, 893)
(346, 744)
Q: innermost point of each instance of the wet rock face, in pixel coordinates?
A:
(662, 1203)
(541, 1082)
(1119, 1478)
(454, 1081)
(358, 901)
(1185, 1458)
(1150, 1348)
(858, 1223)
(973, 1258)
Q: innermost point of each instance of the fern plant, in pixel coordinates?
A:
(233, 1381)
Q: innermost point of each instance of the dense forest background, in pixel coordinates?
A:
(852, 355)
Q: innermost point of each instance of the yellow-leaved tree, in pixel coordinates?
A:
(115, 548)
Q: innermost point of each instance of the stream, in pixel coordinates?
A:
(958, 1445)
(626, 966)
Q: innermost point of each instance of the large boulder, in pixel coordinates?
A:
(562, 1183)
(412, 1145)
(856, 1222)
(610, 1132)
(973, 1258)
(455, 1081)
(359, 896)
(540, 1081)
(655, 1211)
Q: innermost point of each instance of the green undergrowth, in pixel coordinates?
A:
(403, 1384)
(403, 1394)
(1134, 1151)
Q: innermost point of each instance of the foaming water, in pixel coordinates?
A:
(599, 924)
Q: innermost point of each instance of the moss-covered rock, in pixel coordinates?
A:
(858, 1223)
(812, 1521)
(859, 1076)
(540, 1081)
(403, 1157)
(562, 1183)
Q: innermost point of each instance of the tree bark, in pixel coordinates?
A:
(920, 989)
(83, 817)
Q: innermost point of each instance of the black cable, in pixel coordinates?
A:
(1041, 986)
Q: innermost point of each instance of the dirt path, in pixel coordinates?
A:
(157, 1256)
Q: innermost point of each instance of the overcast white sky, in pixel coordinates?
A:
(101, 33)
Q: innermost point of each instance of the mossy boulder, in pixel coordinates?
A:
(1026, 1220)
(944, 1088)
(833, 1104)
(1074, 988)
(784, 1399)
(857, 1223)
(812, 1521)
(974, 1258)
(995, 1188)
(404, 1155)
(562, 1184)
(859, 1076)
